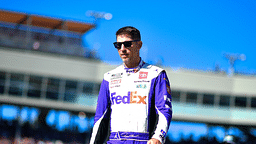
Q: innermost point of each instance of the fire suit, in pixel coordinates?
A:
(134, 105)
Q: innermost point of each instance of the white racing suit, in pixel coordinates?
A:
(134, 105)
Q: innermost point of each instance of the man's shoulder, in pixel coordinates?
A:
(114, 72)
(117, 69)
(153, 68)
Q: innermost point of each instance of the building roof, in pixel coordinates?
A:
(45, 22)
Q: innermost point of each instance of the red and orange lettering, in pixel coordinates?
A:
(132, 97)
(142, 99)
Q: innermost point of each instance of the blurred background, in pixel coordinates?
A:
(53, 55)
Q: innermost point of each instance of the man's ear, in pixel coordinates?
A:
(140, 44)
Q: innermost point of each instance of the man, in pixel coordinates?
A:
(134, 103)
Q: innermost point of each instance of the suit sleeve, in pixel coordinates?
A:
(102, 116)
(163, 106)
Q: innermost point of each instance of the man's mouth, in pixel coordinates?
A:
(124, 55)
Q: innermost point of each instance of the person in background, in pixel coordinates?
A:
(230, 139)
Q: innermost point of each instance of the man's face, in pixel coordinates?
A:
(129, 55)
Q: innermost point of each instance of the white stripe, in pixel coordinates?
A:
(161, 125)
(96, 127)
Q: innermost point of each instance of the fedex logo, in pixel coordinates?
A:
(143, 75)
(131, 98)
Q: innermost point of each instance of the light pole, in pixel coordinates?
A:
(98, 15)
(232, 58)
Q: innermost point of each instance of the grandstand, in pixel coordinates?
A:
(47, 75)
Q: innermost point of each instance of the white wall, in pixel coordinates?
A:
(49, 65)
(210, 82)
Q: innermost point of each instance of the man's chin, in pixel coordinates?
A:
(126, 60)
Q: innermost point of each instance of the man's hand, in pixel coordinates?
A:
(154, 141)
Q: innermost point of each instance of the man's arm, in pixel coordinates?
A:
(102, 115)
(163, 107)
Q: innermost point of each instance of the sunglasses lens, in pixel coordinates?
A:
(117, 45)
(127, 44)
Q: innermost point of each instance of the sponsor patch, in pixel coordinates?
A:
(143, 86)
(141, 81)
(167, 86)
(168, 89)
(143, 75)
(117, 81)
(115, 86)
(163, 134)
(116, 76)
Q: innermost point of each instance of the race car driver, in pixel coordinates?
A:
(134, 102)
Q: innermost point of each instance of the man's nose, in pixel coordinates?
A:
(123, 47)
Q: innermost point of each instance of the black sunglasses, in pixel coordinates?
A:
(126, 44)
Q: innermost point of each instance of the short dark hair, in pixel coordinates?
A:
(131, 31)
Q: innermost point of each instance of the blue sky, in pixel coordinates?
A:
(192, 34)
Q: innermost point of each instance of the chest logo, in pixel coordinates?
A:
(116, 76)
(143, 86)
(143, 75)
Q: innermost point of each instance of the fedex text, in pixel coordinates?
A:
(131, 98)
